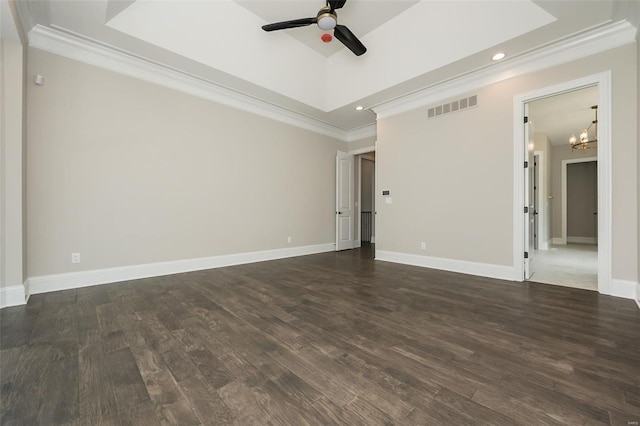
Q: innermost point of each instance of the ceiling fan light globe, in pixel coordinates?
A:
(327, 22)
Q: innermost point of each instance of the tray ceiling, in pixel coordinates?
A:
(411, 44)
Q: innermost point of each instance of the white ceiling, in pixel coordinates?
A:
(562, 115)
(411, 44)
(360, 16)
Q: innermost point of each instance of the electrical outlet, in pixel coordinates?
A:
(75, 257)
(423, 246)
(289, 239)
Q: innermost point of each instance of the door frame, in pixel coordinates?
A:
(603, 82)
(358, 154)
(365, 157)
(563, 181)
(543, 219)
(536, 201)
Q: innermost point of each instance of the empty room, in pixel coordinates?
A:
(312, 212)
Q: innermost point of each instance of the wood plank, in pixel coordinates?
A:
(128, 386)
(96, 395)
(61, 406)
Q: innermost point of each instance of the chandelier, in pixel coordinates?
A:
(584, 142)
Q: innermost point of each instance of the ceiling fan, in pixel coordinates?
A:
(326, 19)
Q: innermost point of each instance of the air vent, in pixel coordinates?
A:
(453, 106)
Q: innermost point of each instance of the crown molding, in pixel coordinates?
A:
(110, 58)
(586, 44)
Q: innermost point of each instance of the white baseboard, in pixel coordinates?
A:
(453, 265)
(56, 282)
(544, 245)
(14, 295)
(373, 239)
(623, 288)
(638, 294)
(558, 240)
(582, 240)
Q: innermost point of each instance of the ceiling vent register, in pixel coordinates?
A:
(453, 106)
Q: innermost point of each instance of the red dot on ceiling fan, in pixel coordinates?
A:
(326, 37)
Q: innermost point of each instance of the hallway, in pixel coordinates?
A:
(570, 265)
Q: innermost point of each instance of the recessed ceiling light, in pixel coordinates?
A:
(498, 56)
(359, 108)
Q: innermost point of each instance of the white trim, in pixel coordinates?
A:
(358, 179)
(110, 58)
(14, 295)
(376, 173)
(461, 266)
(622, 288)
(563, 182)
(580, 46)
(557, 240)
(582, 240)
(638, 295)
(48, 283)
(545, 245)
(368, 131)
(603, 82)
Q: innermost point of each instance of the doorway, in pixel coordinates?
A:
(366, 198)
(356, 201)
(366, 202)
(581, 260)
(580, 201)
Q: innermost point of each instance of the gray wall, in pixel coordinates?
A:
(126, 172)
(582, 199)
(362, 143)
(452, 177)
(12, 145)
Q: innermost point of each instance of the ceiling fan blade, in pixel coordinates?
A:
(349, 39)
(336, 4)
(289, 24)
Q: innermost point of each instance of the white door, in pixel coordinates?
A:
(529, 197)
(344, 201)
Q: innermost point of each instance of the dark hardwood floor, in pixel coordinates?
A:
(334, 338)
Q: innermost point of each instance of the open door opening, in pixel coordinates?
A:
(365, 203)
(560, 191)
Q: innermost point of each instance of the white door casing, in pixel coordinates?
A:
(345, 187)
(603, 82)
